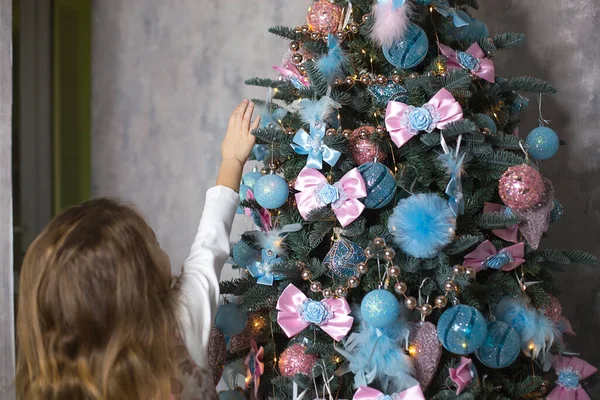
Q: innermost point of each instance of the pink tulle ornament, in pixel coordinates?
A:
(324, 16)
(521, 187)
(391, 21)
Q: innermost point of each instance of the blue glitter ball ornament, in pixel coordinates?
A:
(501, 347)
(422, 225)
(409, 51)
(343, 258)
(380, 308)
(250, 178)
(244, 255)
(543, 143)
(462, 329)
(230, 321)
(485, 121)
(380, 182)
(271, 191)
(557, 211)
(391, 91)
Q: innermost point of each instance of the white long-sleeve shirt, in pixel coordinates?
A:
(200, 275)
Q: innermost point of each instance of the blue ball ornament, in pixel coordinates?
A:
(485, 121)
(422, 225)
(557, 211)
(409, 51)
(543, 143)
(230, 321)
(462, 329)
(271, 191)
(423, 2)
(243, 195)
(380, 182)
(501, 347)
(249, 179)
(380, 308)
(231, 395)
(244, 255)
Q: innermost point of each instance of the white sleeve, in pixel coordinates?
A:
(199, 290)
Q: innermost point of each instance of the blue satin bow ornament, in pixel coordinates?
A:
(311, 144)
(263, 270)
(268, 118)
(443, 7)
(453, 163)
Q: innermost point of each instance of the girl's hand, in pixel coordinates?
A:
(237, 145)
(238, 142)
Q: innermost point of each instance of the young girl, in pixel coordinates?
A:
(98, 317)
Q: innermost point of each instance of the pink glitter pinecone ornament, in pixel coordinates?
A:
(553, 310)
(362, 149)
(521, 187)
(324, 16)
(294, 360)
(217, 352)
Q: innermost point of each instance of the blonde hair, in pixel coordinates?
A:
(95, 311)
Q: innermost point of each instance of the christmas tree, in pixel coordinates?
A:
(398, 218)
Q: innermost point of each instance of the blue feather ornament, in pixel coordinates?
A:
(537, 331)
(376, 355)
(332, 65)
(422, 225)
(312, 112)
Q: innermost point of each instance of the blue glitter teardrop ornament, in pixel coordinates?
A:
(380, 308)
(462, 329)
(557, 211)
(271, 191)
(391, 91)
(543, 143)
(380, 182)
(501, 347)
(243, 254)
(409, 51)
(230, 321)
(343, 258)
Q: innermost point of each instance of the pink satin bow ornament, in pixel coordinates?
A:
(509, 234)
(366, 393)
(570, 371)
(297, 312)
(255, 366)
(472, 60)
(403, 121)
(316, 192)
(463, 375)
(261, 218)
(486, 256)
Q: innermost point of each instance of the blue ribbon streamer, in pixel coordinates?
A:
(443, 7)
(311, 144)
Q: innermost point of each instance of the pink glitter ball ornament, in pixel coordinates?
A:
(521, 187)
(294, 360)
(362, 149)
(553, 310)
(324, 16)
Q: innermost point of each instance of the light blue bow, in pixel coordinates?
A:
(312, 144)
(263, 270)
(443, 7)
(453, 163)
(396, 4)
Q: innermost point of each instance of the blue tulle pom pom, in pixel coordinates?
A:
(422, 225)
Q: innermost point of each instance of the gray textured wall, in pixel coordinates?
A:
(166, 74)
(7, 342)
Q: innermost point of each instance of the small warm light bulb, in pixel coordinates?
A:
(276, 90)
(363, 51)
(412, 350)
(531, 346)
(248, 379)
(431, 9)
(465, 345)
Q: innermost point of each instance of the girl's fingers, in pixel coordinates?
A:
(248, 117)
(238, 113)
(255, 123)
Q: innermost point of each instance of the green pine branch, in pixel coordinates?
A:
(530, 84)
(285, 32)
(509, 40)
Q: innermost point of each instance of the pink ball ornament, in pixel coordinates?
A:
(553, 310)
(324, 16)
(362, 149)
(521, 187)
(294, 360)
